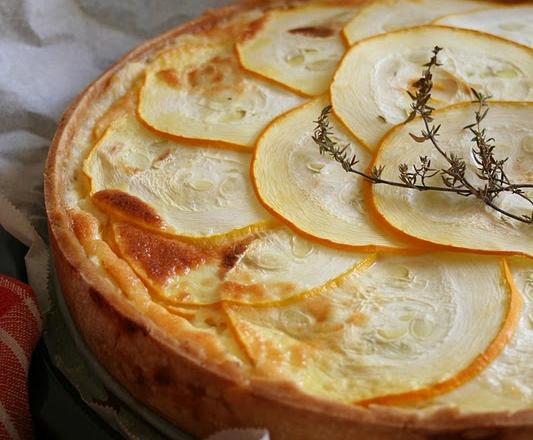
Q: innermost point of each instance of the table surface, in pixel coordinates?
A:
(57, 409)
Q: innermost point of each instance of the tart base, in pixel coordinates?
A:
(166, 377)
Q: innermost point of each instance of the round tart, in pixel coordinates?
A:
(229, 275)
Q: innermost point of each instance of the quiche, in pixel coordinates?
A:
(230, 275)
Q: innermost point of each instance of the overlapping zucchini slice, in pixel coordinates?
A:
(446, 218)
(512, 23)
(369, 90)
(298, 48)
(406, 329)
(288, 267)
(382, 16)
(271, 267)
(312, 192)
(195, 191)
(507, 383)
(199, 91)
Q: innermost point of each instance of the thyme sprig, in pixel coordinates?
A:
(489, 170)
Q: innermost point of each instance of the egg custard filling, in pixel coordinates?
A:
(197, 191)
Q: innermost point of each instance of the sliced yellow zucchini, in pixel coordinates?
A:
(310, 192)
(512, 23)
(402, 328)
(298, 48)
(281, 266)
(382, 16)
(369, 90)
(446, 218)
(266, 268)
(507, 384)
(199, 91)
(195, 191)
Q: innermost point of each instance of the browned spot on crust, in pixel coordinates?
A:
(84, 225)
(202, 75)
(126, 206)
(97, 298)
(170, 76)
(218, 77)
(253, 28)
(160, 257)
(314, 31)
(163, 376)
(126, 325)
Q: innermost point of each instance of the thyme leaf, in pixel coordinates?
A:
(490, 171)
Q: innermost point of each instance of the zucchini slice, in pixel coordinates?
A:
(403, 330)
(198, 91)
(310, 192)
(298, 48)
(194, 191)
(382, 16)
(262, 269)
(505, 385)
(369, 90)
(513, 23)
(448, 219)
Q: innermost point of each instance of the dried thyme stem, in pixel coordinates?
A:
(490, 171)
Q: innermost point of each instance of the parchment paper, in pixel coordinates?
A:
(49, 51)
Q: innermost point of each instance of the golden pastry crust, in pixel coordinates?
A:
(184, 374)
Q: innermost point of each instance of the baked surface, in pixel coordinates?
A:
(185, 304)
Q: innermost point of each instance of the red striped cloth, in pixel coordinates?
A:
(20, 327)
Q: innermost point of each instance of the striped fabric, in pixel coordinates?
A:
(20, 327)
